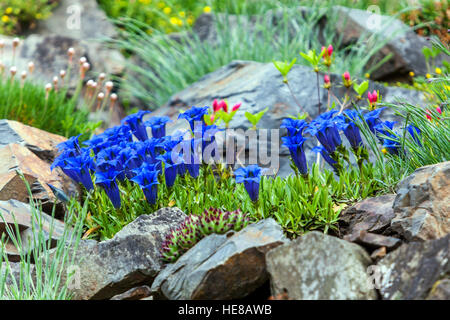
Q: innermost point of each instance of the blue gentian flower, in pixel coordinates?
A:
(147, 179)
(136, 125)
(76, 167)
(107, 180)
(372, 118)
(206, 136)
(71, 145)
(294, 126)
(171, 163)
(327, 132)
(295, 145)
(251, 177)
(350, 129)
(415, 133)
(193, 115)
(391, 144)
(384, 128)
(325, 155)
(158, 125)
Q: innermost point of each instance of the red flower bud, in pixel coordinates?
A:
(326, 78)
(347, 75)
(236, 107)
(330, 50)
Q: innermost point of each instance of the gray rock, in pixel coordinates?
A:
(422, 204)
(440, 290)
(411, 271)
(229, 266)
(13, 273)
(317, 266)
(137, 293)
(403, 43)
(14, 212)
(131, 258)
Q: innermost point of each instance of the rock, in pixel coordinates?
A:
(403, 43)
(40, 142)
(222, 267)
(372, 240)
(260, 85)
(317, 266)
(93, 22)
(37, 172)
(137, 293)
(440, 290)
(378, 254)
(371, 214)
(130, 259)
(422, 204)
(14, 272)
(12, 212)
(410, 271)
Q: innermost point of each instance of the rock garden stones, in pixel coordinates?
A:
(317, 267)
(228, 266)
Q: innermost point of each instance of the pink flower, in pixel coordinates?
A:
(330, 50)
(373, 97)
(326, 79)
(439, 110)
(215, 105)
(347, 75)
(428, 115)
(236, 107)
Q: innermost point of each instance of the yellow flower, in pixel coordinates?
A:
(384, 150)
(207, 9)
(38, 16)
(438, 71)
(182, 14)
(412, 74)
(190, 20)
(167, 10)
(367, 75)
(145, 1)
(428, 76)
(5, 19)
(8, 10)
(176, 21)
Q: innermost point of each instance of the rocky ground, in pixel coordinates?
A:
(389, 247)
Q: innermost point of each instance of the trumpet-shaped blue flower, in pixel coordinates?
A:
(327, 132)
(294, 126)
(295, 145)
(172, 161)
(415, 133)
(147, 179)
(250, 176)
(350, 129)
(76, 167)
(325, 155)
(136, 125)
(158, 125)
(107, 180)
(193, 115)
(71, 145)
(372, 118)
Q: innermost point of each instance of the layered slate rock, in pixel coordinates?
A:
(130, 259)
(13, 158)
(422, 204)
(40, 142)
(411, 271)
(137, 293)
(12, 213)
(228, 266)
(318, 266)
(403, 43)
(260, 85)
(440, 290)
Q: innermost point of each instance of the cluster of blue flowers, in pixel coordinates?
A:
(327, 127)
(127, 152)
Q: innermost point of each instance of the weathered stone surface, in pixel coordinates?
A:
(14, 272)
(372, 240)
(37, 172)
(378, 254)
(372, 215)
(137, 293)
(422, 205)
(318, 266)
(440, 290)
(410, 271)
(229, 266)
(260, 85)
(131, 258)
(403, 43)
(13, 211)
(38, 141)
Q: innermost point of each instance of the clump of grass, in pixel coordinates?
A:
(166, 66)
(41, 270)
